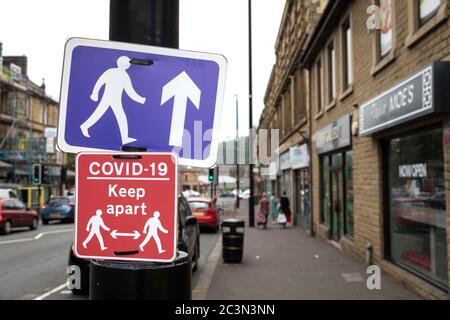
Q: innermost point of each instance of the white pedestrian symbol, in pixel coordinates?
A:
(94, 227)
(115, 80)
(151, 229)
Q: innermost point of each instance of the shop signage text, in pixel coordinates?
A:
(285, 161)
(299, 156)
(422, 93)
(335, 136)
(413, 171)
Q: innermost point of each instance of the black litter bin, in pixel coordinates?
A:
(232, 240)
(114, 280)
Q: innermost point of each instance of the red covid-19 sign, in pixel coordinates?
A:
(126, 206)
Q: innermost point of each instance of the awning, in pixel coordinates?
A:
(4, 164)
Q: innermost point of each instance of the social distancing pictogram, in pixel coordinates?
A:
(126, 206)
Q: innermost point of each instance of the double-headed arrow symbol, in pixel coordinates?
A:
(116, 234)
(181, 88)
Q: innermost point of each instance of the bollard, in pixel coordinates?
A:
(115, 280)
(232, 240)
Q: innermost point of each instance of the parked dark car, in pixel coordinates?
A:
(14, 214)
(59, 208)
(188, 241)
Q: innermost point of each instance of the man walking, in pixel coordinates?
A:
(94, 227)
(115, 80)
(286, 206)
(151, 229)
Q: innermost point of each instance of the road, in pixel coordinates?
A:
(33, 263)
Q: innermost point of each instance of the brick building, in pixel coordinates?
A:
(28, 121)
(286, 108)
(377, 94)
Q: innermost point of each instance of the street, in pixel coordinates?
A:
(34, 262)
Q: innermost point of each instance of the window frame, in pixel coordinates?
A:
(347, 86)
(318, 66)
(331, 74)
(417, 30)
(379, 61)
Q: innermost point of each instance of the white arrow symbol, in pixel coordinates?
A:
(116, 234)
(181, 88)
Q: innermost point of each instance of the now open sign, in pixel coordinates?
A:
(126, 206)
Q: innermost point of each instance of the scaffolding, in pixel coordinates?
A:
(17, 145)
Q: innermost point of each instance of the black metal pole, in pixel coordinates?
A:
(150, 22)
(251, 200)
(236, 150)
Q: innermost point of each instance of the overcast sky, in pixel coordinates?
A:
(39, 29)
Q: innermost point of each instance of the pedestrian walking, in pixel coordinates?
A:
(94, 227)
(263, 214)
(286, 206)
(274, 206)
(281, 218)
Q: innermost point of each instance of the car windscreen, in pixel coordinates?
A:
(58, 202)
(198, 205)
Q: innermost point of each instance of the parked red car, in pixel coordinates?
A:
(14, 214)
(205, 211)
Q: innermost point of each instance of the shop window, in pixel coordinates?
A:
(417, 205)
(348, 182)
(424, 16)
(337, 194)
(325, 190)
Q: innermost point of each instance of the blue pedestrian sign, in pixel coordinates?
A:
(119, 94)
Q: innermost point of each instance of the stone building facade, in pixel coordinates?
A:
(286, 108)
(378, 91)
(28, 122)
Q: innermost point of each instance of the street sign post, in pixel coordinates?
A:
(126, 206)
(119, 94)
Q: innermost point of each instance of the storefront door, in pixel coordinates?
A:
(336, 221)
(303, 207)
(336, 208)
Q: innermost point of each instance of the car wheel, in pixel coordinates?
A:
(6, 228)
(45, 222)
(34, 225)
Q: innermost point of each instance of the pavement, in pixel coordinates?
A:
(287, 264)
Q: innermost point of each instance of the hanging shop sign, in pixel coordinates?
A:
(285, 161)
(334, 136)
(421, 94)
(299, 156)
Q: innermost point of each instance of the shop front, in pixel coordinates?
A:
(300, 165)
(334, 147)
(284, 177)
(414, 171)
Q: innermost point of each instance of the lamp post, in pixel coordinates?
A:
(236, 151)
(251, 203)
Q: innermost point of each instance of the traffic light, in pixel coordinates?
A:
(211, 175)
(45, 174)
(37, 173)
